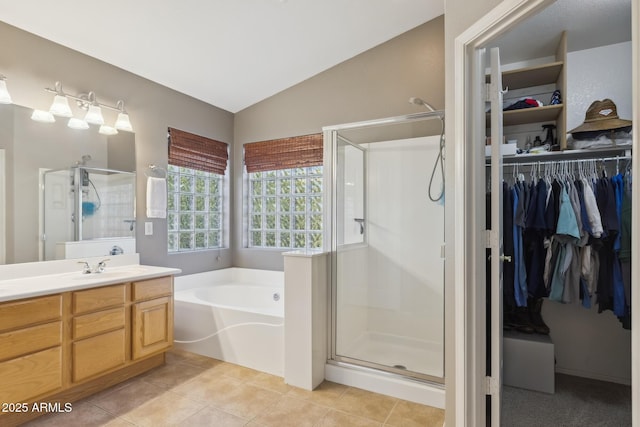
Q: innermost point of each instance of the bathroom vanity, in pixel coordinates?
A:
(66, 336)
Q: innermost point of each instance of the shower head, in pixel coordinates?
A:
(84, 160)
(420, 101)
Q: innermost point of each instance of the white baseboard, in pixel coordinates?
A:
(594, 376)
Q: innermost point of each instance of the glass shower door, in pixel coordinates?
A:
(388, 273)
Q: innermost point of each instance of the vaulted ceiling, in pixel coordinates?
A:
(228, 53)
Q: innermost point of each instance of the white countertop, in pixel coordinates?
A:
(45, 284)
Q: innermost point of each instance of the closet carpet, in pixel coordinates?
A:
(576, 402)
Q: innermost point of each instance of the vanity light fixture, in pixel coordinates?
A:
(42, 116)
(5, 98)
(84, 101)
(60, 106)
(94, 112)
(108, 130)
(79, 124)
(122, 122)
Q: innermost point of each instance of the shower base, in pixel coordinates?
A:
(398, 352)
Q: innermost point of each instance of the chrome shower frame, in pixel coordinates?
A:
(330, 239)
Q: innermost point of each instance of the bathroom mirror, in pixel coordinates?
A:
(31, 149)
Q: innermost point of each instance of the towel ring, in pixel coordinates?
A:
(156, 171)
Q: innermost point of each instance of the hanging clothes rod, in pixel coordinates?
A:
(571, 161)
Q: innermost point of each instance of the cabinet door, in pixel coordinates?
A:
(98, 354)
(152, 326)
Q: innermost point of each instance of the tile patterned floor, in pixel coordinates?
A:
(193, 390)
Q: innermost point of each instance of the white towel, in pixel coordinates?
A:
(156, 197)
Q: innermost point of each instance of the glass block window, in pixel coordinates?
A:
(285, 208)
(194, 209)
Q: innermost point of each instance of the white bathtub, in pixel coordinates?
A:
(235, 315)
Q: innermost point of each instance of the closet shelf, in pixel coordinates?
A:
(532, 76)
(596, 153)
(547, 113)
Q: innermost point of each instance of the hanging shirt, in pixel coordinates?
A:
(508, 268)
(520, 273)
(591, 207)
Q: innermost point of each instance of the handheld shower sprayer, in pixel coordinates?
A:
(439, 163)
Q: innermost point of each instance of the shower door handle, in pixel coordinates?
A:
(361, 222)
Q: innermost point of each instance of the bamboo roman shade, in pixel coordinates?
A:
(284, 153)
(197, 152)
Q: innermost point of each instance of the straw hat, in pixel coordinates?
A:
(602, 115)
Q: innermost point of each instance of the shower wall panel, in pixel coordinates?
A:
(405, 235)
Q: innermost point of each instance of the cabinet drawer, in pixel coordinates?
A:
(98, 298)
(92, 356)
(152, 288)
(30, 376)
(30, 311)
(28, 340)
(95, 323)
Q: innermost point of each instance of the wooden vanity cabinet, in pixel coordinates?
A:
(30, 348)
(63, 347)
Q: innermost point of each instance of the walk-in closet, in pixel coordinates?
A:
(565, 194)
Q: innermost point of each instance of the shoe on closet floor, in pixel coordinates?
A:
(535, 311)
(522, 320)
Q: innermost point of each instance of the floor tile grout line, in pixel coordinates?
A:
(391, 411)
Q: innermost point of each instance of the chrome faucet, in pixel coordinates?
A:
(99, 268)
(86, 268)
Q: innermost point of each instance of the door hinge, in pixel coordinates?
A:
(490, 386)
(490, 238)
(442, 251)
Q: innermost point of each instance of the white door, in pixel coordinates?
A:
(494, 326)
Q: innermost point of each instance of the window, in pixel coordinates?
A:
(195, 183)
(285, 192)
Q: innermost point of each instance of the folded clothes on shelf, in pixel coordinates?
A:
(524, 103)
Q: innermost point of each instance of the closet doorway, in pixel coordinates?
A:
(488, 375)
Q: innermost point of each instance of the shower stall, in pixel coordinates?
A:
(86, 204)
(386, 234)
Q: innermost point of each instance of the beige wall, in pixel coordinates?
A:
(374, 84)
(32, 63)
